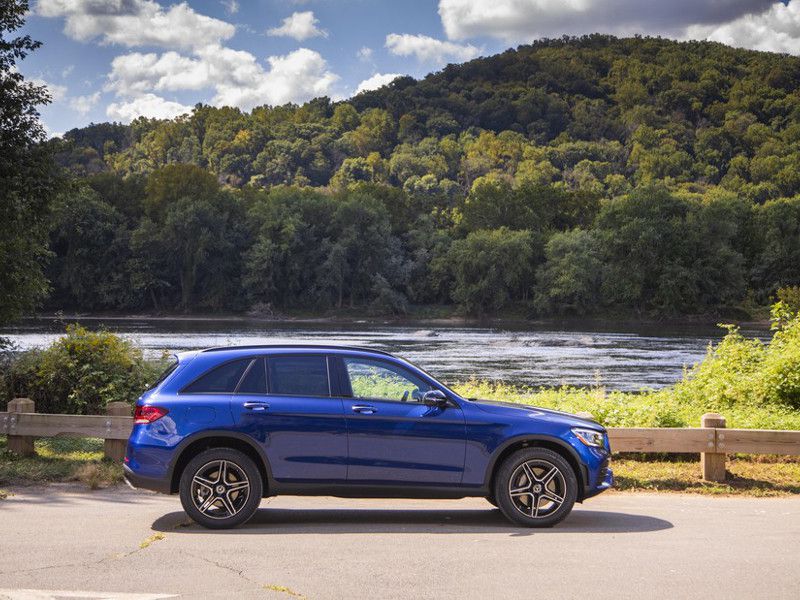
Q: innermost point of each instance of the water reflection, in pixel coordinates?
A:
(620, 358)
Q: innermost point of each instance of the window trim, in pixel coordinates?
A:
(183, 390)
(300, 355)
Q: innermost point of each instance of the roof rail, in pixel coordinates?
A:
(293, 346)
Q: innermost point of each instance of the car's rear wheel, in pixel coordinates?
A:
(535, 487)
(221, 488)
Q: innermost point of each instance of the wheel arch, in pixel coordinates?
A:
(192, 446)
(533, 441)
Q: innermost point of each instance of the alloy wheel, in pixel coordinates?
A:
(537, 488)
(220, 489)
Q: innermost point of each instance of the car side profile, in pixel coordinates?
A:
(226, 427)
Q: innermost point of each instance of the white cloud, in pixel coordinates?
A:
(148, 105)
(67, 71)
(237, 78)
(526, 20)
(775, 30)
(294, 77)
(231, 6)
(136, 73)
(57, 92)
(300, 26)
(376, 81)
(136, 23)
(196, 58)
(364, 54)
(428, 49)
(83, 104)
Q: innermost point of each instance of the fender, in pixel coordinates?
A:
(220, 433)
(582, 475)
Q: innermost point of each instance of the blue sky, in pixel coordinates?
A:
(118, 59)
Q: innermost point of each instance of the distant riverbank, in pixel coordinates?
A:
(440, 316)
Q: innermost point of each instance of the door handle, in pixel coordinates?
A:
(364, 409)
(259, 406)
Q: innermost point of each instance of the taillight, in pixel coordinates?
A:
(148, 414)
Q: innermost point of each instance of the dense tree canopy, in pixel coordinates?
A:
(566, 176)
(27, 175)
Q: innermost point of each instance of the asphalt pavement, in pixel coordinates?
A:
(119, 544)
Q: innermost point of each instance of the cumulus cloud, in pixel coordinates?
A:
(196, 57)
(526, 20)
(428, 49)
(83, 104)
(775, 30)
(236, 76)
(136, 73)
(300, 26)
(294, 77)
(376, 81)
(147, 105)
(136, 23)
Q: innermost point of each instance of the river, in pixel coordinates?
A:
(617, 357)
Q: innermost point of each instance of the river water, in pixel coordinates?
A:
(620, 358)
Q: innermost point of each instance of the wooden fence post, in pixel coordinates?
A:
(20, 444)
(115, 449)
(713, 463)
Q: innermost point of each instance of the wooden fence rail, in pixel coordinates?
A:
(713, 441)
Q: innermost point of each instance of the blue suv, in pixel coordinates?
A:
(226, 427)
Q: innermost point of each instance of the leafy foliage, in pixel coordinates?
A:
(646, 175)
(28, 177)
(80, 373)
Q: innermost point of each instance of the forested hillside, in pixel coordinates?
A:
(576, 176)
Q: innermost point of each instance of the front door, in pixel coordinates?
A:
(285, 403)
(393, 437)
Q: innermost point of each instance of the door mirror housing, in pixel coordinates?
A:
(435, 398)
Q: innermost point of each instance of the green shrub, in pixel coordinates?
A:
(781, 368)
(754, 385)
(80, 373)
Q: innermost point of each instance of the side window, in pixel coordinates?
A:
(378, 380)
(298, 375)
(255, 380)
(221, 380)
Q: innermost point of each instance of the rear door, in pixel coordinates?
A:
(394, 438)
(285, 403)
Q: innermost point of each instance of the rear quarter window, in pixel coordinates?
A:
(219, 380)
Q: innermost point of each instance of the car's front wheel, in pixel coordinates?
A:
(535, 487)
(220, 488)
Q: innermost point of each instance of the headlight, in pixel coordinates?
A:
(590, 437)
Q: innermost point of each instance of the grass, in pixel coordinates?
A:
(759, 476)
(59, 460)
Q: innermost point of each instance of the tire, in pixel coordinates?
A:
(221, 488)
(492, 501)
(535, 487)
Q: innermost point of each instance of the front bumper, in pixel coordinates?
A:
(146, 483)
(605, 481)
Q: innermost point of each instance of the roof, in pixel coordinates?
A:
(296, 347)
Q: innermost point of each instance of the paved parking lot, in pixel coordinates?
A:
(123, 544)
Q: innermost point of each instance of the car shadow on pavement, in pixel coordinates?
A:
(298, 521)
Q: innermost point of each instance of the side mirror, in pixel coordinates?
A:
(435, 398)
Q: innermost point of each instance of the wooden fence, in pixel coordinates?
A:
(712, 440)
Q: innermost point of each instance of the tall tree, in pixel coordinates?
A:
(28, 177)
